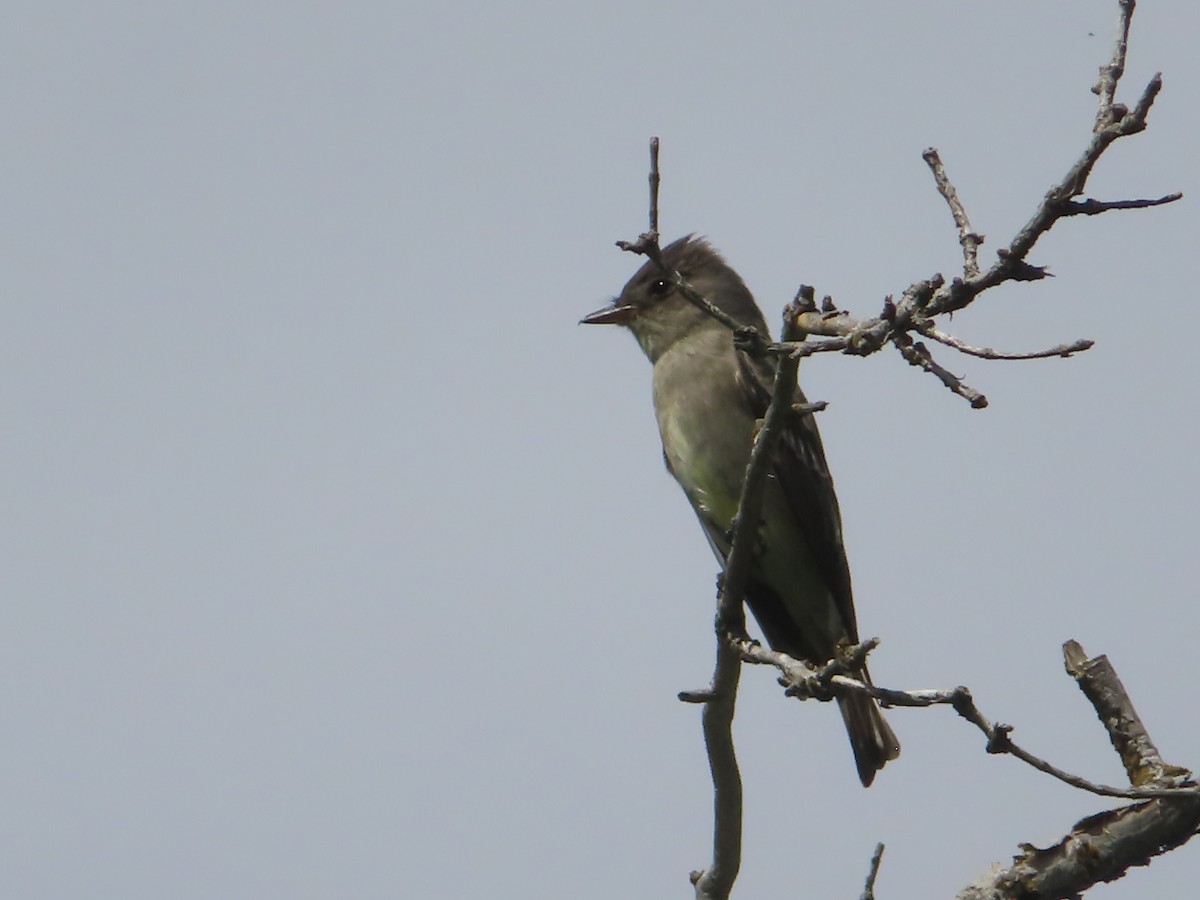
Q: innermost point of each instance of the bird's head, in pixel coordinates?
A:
(653, 307)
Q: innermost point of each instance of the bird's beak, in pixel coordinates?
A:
(611, 315)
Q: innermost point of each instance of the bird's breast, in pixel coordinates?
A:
(706, 428)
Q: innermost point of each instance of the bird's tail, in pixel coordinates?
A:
(873, 741)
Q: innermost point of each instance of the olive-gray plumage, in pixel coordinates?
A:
(708, 398)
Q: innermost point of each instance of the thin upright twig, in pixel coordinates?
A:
(1111, 72)
(968, 238)
(872, 873)
(716, 881)
(655, 180)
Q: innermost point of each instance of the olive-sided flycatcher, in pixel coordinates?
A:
(708, 398)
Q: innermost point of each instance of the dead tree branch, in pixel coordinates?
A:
(872, 873)
(1104, 846)
(923, 301)
(1099, 848)
(717, 880)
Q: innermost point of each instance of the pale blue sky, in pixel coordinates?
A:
(339, 562)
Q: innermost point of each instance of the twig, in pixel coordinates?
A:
(1111, 72)
(741, 553)
(988, 353)
(654, 183)
(969, 239)
(1100, 684)
(798, 678)
(1113, 121)
(924, 301)
(872, 873)
(804, 409)
(917, 354)
(1174, 807)
(830, 680)
(715, 882)
(1095, 207)
(647, 244)
(1103, 847)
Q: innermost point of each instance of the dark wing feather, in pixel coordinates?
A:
(768, 607)
(798, 461)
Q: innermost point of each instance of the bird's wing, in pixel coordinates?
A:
(716, 536)
(770, 610)
(798, 461)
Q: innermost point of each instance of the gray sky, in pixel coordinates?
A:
(339, 562)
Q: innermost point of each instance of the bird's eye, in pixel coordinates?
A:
(659, 287)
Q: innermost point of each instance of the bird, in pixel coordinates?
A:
(709, 398)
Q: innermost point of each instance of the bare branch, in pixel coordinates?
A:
(1111, 72)
(1101, 847)
(647, 245)
(654, 183)
(741, 553)
(1100, 684)
(1136, 121)
(873, 873)
(716, 881)
(988, 353)
(969, 239)
(804, 409)
(924, 300)
(1095, 207)
(917, 354)
(801, 680)
(827, 682)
